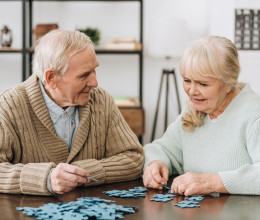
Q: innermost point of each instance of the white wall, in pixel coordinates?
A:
(223, 24)
(121, 19)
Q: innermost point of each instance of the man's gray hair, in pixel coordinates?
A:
(54, 50)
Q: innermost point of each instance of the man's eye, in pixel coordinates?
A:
(84, 76)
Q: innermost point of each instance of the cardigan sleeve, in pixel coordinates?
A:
(246, 179)
(30, 178)
(167, 149)
(123, 155)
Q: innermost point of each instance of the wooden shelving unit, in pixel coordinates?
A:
(133, 115)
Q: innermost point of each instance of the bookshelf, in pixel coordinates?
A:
(134, 115)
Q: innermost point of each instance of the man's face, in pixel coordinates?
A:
(73, 88)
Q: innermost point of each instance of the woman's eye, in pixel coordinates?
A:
(187, 80)
(203, 84)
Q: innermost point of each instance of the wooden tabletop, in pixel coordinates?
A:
(224, 207)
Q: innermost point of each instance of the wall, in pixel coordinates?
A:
(224, 25)
(121, 19)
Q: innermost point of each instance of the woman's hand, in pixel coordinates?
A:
(193, 183)
(155, 174)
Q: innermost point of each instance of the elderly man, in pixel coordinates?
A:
(57, 129)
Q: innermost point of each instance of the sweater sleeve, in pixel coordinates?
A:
(167, 149)
(15, 177)
(124, 157)
(246, 180)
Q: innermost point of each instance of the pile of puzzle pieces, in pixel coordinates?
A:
(136, 192)
(83, 208)
(162, 197)
(190, 202)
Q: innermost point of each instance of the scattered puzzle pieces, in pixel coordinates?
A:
(83, 208)
(190, 202)
(94, 207)
(131, 193)
(162, 197)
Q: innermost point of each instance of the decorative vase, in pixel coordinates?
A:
(6, 37)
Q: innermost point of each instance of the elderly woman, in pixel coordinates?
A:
(214, 145)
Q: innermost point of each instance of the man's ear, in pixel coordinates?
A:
(51, 78)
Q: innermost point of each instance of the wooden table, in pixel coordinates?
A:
(224, 207)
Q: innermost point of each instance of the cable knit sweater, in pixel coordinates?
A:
(228, 145)
(104, 144)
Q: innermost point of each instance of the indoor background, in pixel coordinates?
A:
(119, 74)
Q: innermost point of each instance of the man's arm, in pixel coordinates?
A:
(15, 177)
(123, 155)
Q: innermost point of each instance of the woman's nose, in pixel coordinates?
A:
(192, 90)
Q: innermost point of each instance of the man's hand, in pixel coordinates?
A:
(65, 177)
(155, 174)
(193, 183)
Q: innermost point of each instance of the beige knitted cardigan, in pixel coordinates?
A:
(104, 144)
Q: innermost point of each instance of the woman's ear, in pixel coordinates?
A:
(229, 89)
(51, 78)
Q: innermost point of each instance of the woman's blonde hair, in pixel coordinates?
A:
(209, 56)
(54, 50)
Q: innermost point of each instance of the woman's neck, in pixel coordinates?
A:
(227, 101)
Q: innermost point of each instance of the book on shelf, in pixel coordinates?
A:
(123, 40)
(123, 43)
(123, 46)
(126, 101)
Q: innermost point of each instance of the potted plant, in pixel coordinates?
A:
(93, 33)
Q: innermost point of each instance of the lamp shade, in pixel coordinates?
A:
(168, 37)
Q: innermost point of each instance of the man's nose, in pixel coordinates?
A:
(92, 82)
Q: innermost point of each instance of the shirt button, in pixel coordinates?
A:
(54, 117)
(65, 114)
(65, 135)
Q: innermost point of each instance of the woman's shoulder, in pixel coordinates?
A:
(248, 98)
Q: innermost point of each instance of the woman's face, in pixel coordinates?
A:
(208, 95)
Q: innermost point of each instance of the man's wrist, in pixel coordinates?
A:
(49, 181)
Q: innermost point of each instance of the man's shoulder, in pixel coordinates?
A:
(14, 92)
(101, 99)
(99, 93)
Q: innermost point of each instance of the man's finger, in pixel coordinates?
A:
(75, 170)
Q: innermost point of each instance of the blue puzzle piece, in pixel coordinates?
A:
(188, 204)
(195, 198)
(162, 197)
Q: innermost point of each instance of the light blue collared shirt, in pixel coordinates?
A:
(65, 122)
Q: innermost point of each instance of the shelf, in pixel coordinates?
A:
(133, 113)
(10, 50)
(105, 51)
(84, 0)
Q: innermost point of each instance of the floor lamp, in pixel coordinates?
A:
(168, 39)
